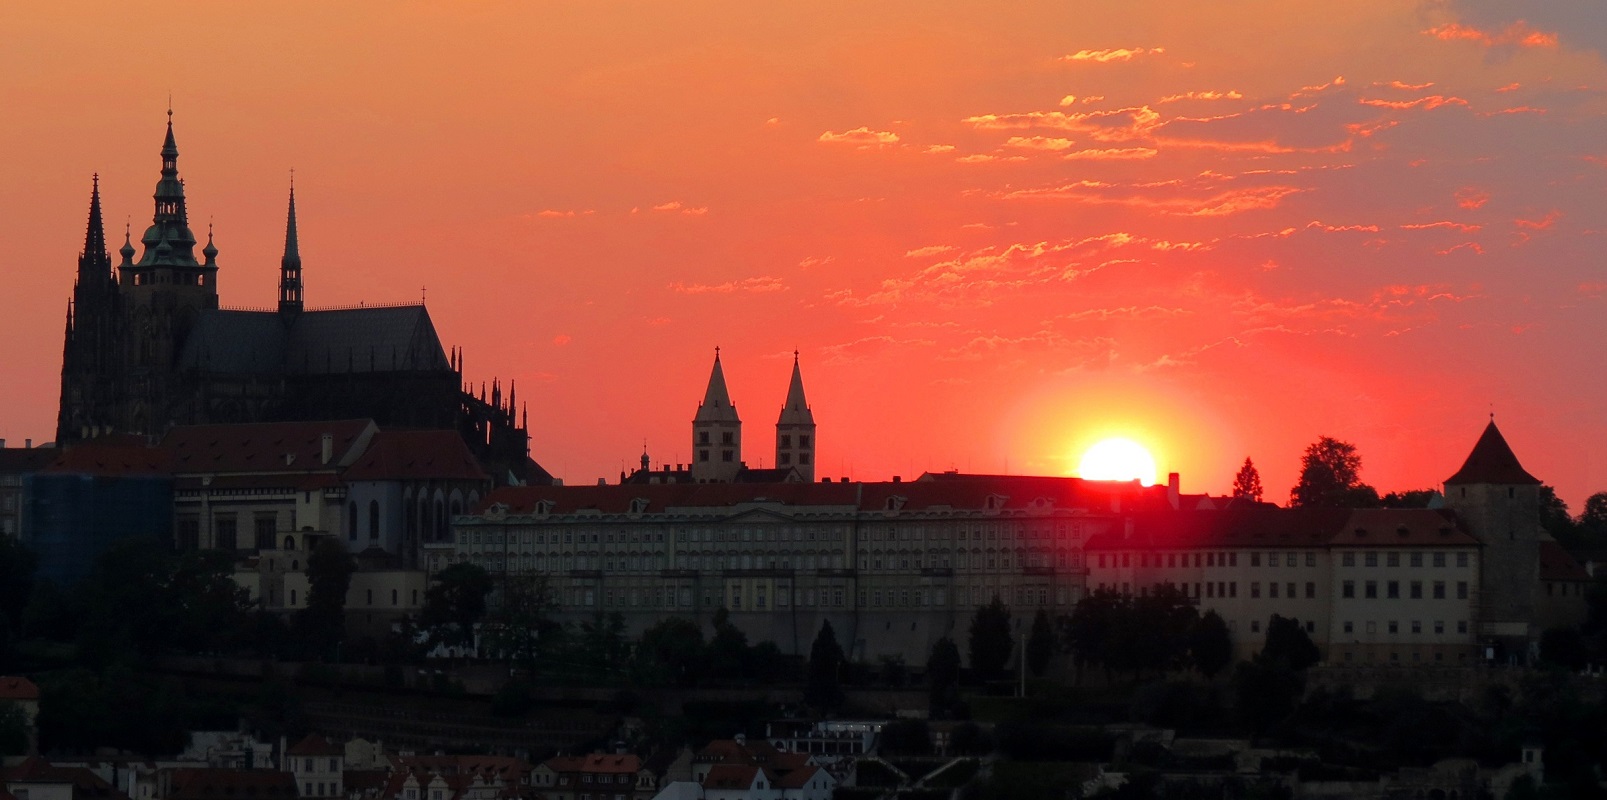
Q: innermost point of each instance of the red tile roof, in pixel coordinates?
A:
(596, 763)
(1250, 527)
(1416, 527)
(112, 455)
(15, 688)
(731, 776)
(263, 447)
(315, 745)
(798, 778)
(417, 455)
(86, 784)
(18, 460)
(1492, 461)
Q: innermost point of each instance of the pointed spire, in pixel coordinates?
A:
(1492, 461)
(169, 241)
(211, 250)
(795, 411)
(290, 288)
(94, 263)
(170, 148)
(127, 250)
(716, 405)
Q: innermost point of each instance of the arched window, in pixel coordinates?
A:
(290, 542)
(440, 520)
(373, 519)
(351, 521)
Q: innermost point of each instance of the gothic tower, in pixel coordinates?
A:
(290, 265)
(1499, 501)
(716, 433)
(91, 360)
(163, 293)
(795, 430)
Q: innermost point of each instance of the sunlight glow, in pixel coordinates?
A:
(1118, 459)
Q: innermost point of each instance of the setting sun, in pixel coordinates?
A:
(1117, 459)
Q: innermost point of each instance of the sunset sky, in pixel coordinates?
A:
(995, 232)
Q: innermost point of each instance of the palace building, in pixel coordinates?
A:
(149, 347)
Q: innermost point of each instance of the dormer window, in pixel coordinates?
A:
(544, 507)
(639, 505)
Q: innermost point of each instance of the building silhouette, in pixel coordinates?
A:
(148, 347)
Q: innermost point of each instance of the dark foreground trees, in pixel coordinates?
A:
(824, 691)
(990, 640)
(1153, 633)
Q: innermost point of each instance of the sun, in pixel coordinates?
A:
(1117, 459)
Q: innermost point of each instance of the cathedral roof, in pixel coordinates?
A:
(372, 339)
(716, 405)
(266, 446)
(1492, 461)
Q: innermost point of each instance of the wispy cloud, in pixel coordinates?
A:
(862, 136)
(1113, 54)
(759, 285)
(1517, 34)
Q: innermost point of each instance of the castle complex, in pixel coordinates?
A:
(148, 347)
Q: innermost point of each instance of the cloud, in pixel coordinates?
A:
(1471, 198)
(1039, 143)
(1232, 201)
(1116, 54)
(1409, 87)
(1430, 102)
(759, 285)
(1539, 224)
(676, 205)
(929, 250)
(1124, 312)
(939, 148)
(861, 137)
(1469, 246)
(866, 348)
(562, 339)
(1112, 154)
(1460, 226)
(1210, 95)
(1517, 34)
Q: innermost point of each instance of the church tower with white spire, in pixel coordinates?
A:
(795, 430)
(716, 433)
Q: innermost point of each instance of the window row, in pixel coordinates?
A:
(1392, 590)
(1394, 626)
(1416, 559)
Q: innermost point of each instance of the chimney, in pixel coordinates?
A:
(898, 479)
(2, 444)
(327, 447)
(28, 443)
(1173, 496)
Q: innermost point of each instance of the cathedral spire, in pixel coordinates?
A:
(94, 263)
(290, 294)
(716, 405)
(169, 241)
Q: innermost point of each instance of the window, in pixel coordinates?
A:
(1370, 559)
(264, 528)
(1348, 560)
(1347, 589)
(1392, 560)
(1272, 559)
(1311, 590)
(1439, 590)
(1439, 627)
(1394, 590)
(1462, 559)
(1417, 560)
(703, 438)
(1439, 559)
(1394, 627)
(1372, 590)
(727, 456)
(1272, 590)
(1255, 588)
(351, 521)
(373, 519)
(1461, 590)
(1461, 626)
(1255, 559)
(1417, 590)
(1417, 626)
(1311, 559)
(224, 527)
(1350, 627)
(786, 440)
(1255, 626)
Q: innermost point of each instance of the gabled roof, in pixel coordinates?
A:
(596, 763)
(1404, 527)
(416, 455)
(315, 745)
(20, 460)
(1492, 461)
(17, 688)
(800, 777)
(375, 339)
(86, 784)
(266, 446)
(732, 776)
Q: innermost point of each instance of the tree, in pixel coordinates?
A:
(824, 690)
(670, 653)
(1593, 519)
(909, 737)
(520, 627)
(1247, 484)
(943, 677)
(17, 564)
(1088, 630)
(1556, 520)
(1564, 648)
(1411, 498)
(1210, 645)
(13, 730)
(329, 576)
(1288, 643)
(1040, 643)
(455, 601)
(728, 650)
(990, 640)
(1329, 477)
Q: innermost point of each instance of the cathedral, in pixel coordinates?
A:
(148, 347)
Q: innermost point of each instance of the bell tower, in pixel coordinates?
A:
(1499, 501)
(716, 432)
(795, 430)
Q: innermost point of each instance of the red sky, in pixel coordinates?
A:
(995, 234)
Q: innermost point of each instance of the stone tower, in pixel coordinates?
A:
(716, 433)
(795, 430)
(92, 357)
(1499, 502)
(290, 300)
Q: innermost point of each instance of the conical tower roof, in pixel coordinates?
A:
(716, 405)
(1492, 461)
(796, 410)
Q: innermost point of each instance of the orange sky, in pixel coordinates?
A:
(994, 233)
